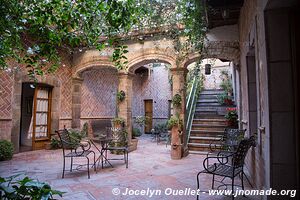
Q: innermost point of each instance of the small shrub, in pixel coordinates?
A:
(6, 150)
(118, 121)
(174, 121)
(121, 96)
(26, 188)
(136, 132)
(142, 120)
(55, 143)
(176, 100)
(161, 128)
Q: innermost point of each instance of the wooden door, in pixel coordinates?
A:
(41, 117)
(149, 115)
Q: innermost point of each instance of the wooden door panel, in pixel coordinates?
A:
(41, 117)
(149, 114)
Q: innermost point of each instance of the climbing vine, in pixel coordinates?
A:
(34, 32)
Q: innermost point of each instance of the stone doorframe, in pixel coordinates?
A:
(19, 79)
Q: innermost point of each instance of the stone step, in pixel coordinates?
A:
(206, 109)
(212, 92)
(199, 152)
(208, 116)
(198, 147)
(203, 139)
(208, 96)
(200, 114)
(208, 104)
(206, 133)
(201, 127)
(217, 120)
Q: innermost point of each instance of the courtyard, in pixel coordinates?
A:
(150, 167)
(216, 80)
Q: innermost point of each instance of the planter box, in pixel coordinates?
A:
(133, 145)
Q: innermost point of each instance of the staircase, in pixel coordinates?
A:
(207, 125)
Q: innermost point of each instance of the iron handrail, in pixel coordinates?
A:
(190, 107)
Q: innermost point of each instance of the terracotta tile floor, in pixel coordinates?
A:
(149, 167)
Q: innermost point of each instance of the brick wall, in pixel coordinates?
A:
(6, 87)
(99, 89)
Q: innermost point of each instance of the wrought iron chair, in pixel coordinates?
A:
(118, 144)
(73, 148)
(228, 165)
(228, 142)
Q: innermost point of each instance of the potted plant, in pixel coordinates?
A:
(174, 121)
(232, 117)
(118, 122)
(176, 100)
(134, 141)
(120, 96)
(141, 121)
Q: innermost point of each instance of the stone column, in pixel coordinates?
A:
(124, 107)
(178, 142)
(76, 101)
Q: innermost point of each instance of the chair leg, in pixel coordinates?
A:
(232, 188)
(213, 182)
(198, 186)
(124, 153)
(71, 167)
(88, 166)
(242, 179)
(127, 160)
(64, 164)
(95, 162)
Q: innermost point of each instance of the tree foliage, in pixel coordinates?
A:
(34, 31)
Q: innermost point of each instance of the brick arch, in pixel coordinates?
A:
(218, 49)
(150, 56)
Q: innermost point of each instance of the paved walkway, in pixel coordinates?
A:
(150, 167)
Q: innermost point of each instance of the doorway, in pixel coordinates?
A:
(35, 116)
(149, 115)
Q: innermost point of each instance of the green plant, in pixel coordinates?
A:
(118, 121)
(120, 96)
(161, 128)
(232, 117)
(55, 143)
(85, 129)
(25, 189)
(136, 132)
(142, 120)
(176, 100)
(224, 99)
(174, 121)
(6, 150)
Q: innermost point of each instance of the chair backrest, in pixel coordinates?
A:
(65, 139)
(99, 126)
(116, 135)
(241, 152)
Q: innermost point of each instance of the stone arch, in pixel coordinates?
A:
(88, 59)
(217, 49)
(150, 56)
(20, 78)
